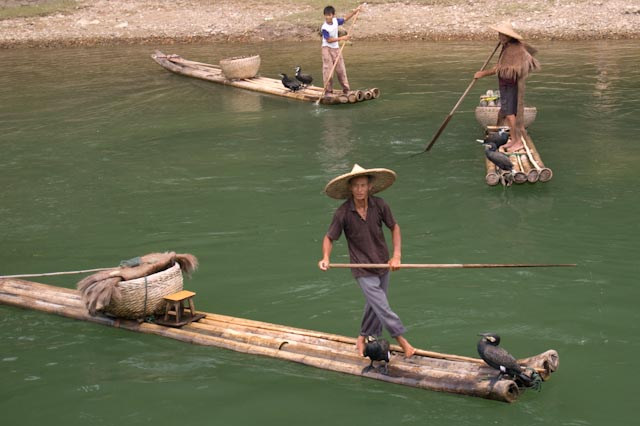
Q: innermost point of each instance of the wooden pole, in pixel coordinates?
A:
(324, 89)
(448, 265)
(446, 120)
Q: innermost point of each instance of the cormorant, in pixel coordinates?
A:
(305, 79)
(498, 138)
(377, 350)
(501, 161)
(496, 157)
(290, 83)
(503, 361)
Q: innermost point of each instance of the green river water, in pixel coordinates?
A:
(105, 156)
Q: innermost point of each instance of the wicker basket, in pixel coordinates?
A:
(240, 67)
(488, 116)
(142, 297)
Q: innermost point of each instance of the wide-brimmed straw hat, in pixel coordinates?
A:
(506, 28)
(339, 187)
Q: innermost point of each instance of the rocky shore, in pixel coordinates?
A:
(92, 22)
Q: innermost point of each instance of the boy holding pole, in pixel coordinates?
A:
(331, 53)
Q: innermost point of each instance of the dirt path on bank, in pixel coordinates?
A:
(150, 21)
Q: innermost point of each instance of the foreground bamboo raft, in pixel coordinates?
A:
(426, 370)
(209, 72)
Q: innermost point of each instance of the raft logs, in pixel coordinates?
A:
(527, 165)
(309, 93)
(213, 73)
(450, 373)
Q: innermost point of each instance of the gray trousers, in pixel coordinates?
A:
(377, 312)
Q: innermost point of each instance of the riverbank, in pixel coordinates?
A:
(111, 22)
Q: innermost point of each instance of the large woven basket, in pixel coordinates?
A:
(488, 116)
(240, 67)
(142, 297)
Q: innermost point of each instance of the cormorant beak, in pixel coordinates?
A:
(488, 337)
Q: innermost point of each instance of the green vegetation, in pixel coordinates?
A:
(39, 8)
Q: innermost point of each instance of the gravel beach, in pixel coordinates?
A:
(114, 22)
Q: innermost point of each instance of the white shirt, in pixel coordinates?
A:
(331, 31)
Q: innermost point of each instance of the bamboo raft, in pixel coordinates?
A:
(426, 370)
(527, 165)
(213, 73)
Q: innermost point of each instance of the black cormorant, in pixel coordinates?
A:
(377, 350)
(305, 79)
(498, 158)
(501, 161)
(498, 138)
(290, 83)
(503, 361)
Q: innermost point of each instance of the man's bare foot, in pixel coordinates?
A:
(408, 350)
(360, 345)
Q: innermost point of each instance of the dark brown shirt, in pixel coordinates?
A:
(365, 238)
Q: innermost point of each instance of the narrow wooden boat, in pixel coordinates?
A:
(426, 370)
(213, 73)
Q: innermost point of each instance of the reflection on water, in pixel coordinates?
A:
(336, 142)
(106, 156)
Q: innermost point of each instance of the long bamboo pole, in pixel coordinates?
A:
(448, 265)
(333, 68)
(446, 120)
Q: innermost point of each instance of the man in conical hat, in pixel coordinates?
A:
(514, 64)
(361, 217)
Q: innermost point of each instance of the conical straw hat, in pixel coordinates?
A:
(506, 28)
(339, 187)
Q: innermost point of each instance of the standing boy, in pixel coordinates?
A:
(331, 49)
(361, 217)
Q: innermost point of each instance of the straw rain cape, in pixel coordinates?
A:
(98, 290)
(516, 61)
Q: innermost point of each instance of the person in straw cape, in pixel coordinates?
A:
(361, 217)
(514, 64)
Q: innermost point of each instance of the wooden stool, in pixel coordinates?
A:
(180, 306)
